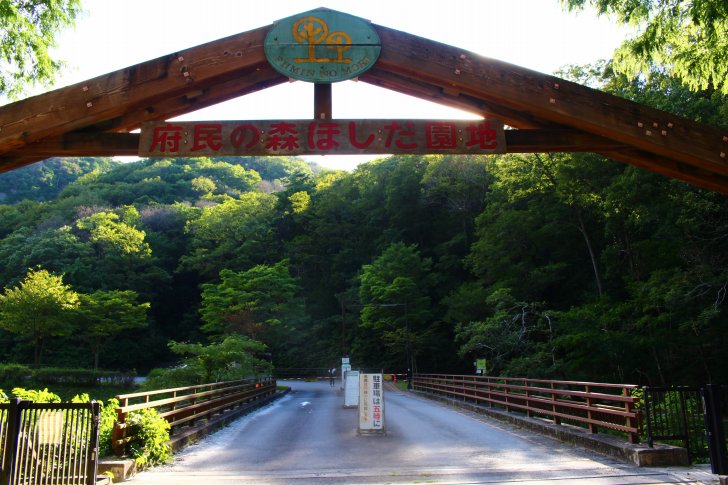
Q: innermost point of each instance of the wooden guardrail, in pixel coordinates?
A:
(587, 404)
(183, 406)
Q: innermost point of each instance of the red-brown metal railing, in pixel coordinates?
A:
(587, 404)
(185, 405)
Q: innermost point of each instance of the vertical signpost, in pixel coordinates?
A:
(351, 389)
(345, 367)
(371, 404)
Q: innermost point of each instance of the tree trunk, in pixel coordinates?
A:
(38, 352)
(595, 267)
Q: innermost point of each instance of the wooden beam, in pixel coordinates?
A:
(541, 141)
(89, 144)
(555, 100)
(671, 168)
(136, 87)
(165, 108)
(436, 94)
(81, 145)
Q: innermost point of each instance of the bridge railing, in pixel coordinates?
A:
(590, 405)
(183, 406)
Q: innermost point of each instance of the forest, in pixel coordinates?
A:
(566, 266)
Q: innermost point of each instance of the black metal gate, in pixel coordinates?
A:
(43, 443)
(715, 404)
(696, 418)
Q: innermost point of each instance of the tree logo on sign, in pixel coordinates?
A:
(314, 31)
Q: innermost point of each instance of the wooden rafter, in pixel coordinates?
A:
(135, 88)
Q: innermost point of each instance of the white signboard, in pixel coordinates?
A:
(371, 404)
(351, 389)
(50, 427)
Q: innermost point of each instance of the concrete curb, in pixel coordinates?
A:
(636, 454)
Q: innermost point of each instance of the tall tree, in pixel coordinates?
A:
(249, 302)
(688, 38)
(104, 314)
(394, 291)
(39, 307)
(235, 234)
(27, 31)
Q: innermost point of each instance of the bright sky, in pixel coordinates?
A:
(536, 34)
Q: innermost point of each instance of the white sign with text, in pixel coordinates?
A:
(371, 404)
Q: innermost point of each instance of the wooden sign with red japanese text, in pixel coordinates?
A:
(320, 137)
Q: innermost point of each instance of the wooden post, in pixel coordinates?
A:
(629, 408)
(592, 427)
(11, 439)
(117, 434)
(529, 412)
(322, 102)
(508, 408)
(554, 409)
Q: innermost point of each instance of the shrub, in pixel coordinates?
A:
(82, 377)
(181, 376)
(107, 419)
(15, 373)
(44, 396)
(149, 435)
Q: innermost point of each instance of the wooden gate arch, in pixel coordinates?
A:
(96, 117)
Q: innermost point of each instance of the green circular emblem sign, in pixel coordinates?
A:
(322, 46)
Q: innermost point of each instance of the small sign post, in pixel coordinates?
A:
(345, 367)
(371, 404)
(351, 389)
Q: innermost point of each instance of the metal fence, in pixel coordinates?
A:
(186, 406)
(48, 443)
(693, 417)
(589, 404)
(715, 403)
(675, 415)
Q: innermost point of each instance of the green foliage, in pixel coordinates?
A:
(27, 31)
(41, 306)
(44, 396)
(233, 358)
(234, 234)
(107, 418)
(14, 372)
(149, 433)
(249, 302)
(104, 314)
(273, 168)
(396, 304)
(688, 39)
(109, 235)
(17, 373)
(516, 338)
(169, 377)
(46, 179)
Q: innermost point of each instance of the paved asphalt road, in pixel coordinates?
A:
(308, 437)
